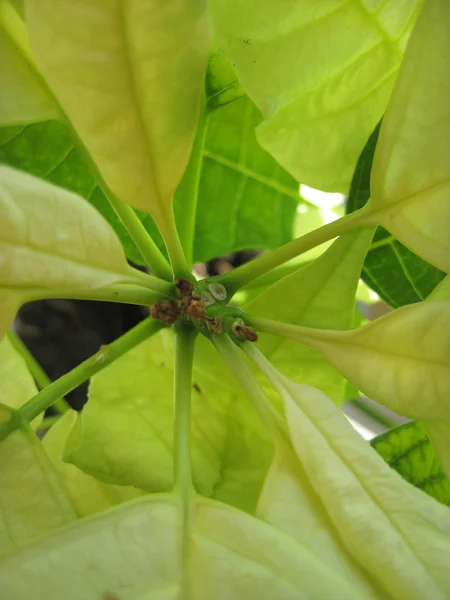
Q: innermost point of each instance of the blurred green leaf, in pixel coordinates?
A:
(397, 275)
(222, 85)
(246, 200)
(408, 450)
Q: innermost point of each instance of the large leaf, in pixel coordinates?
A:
(130, 77)
(24, 97)
(395, 532)
(52, 239)
(321, 73)
(136, 553)
(32, 501)
(320, 294)
(289, 502)
(410, 180)
(46, 150)
(16, 382)
(408, 450)
(87, 494)
(132, 400)
(397, 275)
(401, 360)
(400, 536)
(254, 199)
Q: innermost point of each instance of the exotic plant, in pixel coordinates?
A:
(212, 459)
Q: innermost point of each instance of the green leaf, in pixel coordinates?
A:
(320, 294)
(397, 275)
(246, 200)
(222, 86)
(257, 201)
(16, 382)
(139, 69)
(132, 400)
(401, 360)
(290, 503)
(46, 150)
(24, 97)
(320, 72)
(136, 553)
(397, 534)
(408, 450)
(32, 501)
(410, 179)
(87, 494)
(52, 238)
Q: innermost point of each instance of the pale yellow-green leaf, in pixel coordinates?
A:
(320, 72)
(136, 554)
(32, 501)
(129, 75)
(397, 534)
(87, 494)
(132, 400)
(401, 360)
(9, 305)
(290, 503)
(16, 382)
(24, 97)
(322, 295)
(52, 238)
(411, 169)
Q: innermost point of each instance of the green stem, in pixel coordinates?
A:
(188, 190)
(47, 423)
(184, 357)
(123, 292)
(307, 335)
(152, 255)
(183, 487)
(65, 384)
(243, 275)
(40, 376)
(165, 288)
(175, 251)
(235, 361)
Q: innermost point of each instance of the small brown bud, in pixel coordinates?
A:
(166, 311)
(215, 324)
(185, 287)
(244, 332)
(195, 308)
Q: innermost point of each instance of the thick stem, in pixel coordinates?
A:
(188, 191)
(40, 376)
(243, 275)
(235, 361)
(65, 384)
(124, 293)
(147, 247)
(184, 357)
(169, 232)
(183, 488)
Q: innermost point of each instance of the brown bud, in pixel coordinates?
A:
(244, 332)
(215, 324)
(166, 311)
(185, 287)
(195, 308)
